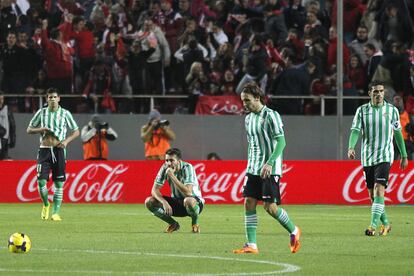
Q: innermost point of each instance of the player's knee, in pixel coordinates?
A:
(149, 202)
(189, 201)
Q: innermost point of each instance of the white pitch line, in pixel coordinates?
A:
(286, 268)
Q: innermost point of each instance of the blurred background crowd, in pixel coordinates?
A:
(97, 50)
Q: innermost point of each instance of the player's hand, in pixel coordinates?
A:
(403, 163)
(170, 171)
(351, 154)
(62, 144)
(167, 208)
(266, 171)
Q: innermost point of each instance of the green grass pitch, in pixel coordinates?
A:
(102, 239)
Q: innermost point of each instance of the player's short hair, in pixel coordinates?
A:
(174, 151)
(52, 90)
(253, 89)
(375, 83)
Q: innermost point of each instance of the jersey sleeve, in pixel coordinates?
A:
(36, 120)
(161, 176)
(357, 121)
(189, 175)
(71, 123)
(395, 119)
(276, 124)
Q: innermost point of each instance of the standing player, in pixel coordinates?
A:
(378, 121)
(185, 200)
(266, 142)
(51, 123)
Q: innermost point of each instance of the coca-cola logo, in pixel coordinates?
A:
(215, 186)
(400, 186)
(95, 182)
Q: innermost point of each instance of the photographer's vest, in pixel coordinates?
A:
(158, 144)
(92, 149)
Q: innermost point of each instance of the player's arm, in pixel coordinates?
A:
(280, 146)
(69, 139)
(353, 139)
(36, 130)
(399, 139)
(186, 190)
(156, 193)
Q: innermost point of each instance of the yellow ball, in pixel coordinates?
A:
(19, 243)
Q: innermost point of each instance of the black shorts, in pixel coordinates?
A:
(377, 174)
(177, 205)
(46, 162)
(266, 189)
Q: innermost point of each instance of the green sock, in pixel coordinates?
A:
(57, 197)
(384, 218)
(283, 218)
(42, 188)
(193, 212)
(160, 213)
(250, 223)
(376, 210)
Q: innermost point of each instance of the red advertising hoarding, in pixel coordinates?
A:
(303, 182)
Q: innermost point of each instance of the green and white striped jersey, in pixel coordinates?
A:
(57, 121)
(186, 175)
(262, 130)
(377, 125)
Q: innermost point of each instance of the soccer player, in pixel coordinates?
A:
(266, 142)
(51, 123)
(378, 121)
(185, 200)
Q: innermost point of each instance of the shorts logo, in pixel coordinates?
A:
(60, 176)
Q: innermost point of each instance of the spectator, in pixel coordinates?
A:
(7, 129)
(332, 50)
(356, 74)
(156, 61)
(213, 156)
(156, 135)
(58, 59)
(95, 136)
(291, 82)
(37, 88)
(295, 15)
(357, 45)
(274, 25)
(407, 128)
(11, 55)
(137, 69)
(99, 84)
(254, 64)
(374, 57)
(197, 82)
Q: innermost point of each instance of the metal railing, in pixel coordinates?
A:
(152, 98)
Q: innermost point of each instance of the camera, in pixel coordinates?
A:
(101, 125)
(162, 123)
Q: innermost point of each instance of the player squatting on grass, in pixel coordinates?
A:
(266, 142)
(185, 199)
(51, 123)
(378, 121)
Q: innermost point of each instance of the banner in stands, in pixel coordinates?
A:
(219, 105)
(303, 182)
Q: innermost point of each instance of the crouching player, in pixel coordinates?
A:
(185, 200)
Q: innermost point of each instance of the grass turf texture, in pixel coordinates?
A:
(126, 239)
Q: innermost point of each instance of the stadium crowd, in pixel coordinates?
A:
(93, 49)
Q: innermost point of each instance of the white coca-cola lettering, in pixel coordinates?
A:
(354, 189)
(228, 107)
(358, 186)
(86, 185)
(215, 185)
(406, 191)
(31, 186)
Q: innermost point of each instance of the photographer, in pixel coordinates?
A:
(156, 135)
(94, 137)
(407, 129)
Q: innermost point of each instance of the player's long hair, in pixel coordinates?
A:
(253, 89)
